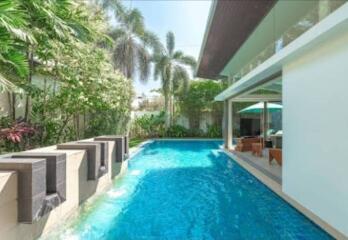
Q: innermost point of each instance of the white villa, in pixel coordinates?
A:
(294, 53)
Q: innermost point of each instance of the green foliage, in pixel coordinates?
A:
(80, 94)
(171, 67)
(135, 142)
(177, 131)
(199, 99)
(131, 41)
(148, 125)
(214, 131)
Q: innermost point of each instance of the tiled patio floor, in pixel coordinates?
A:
(273, 170)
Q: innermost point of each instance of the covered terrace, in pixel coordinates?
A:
(252, 125)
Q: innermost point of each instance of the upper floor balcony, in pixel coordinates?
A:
(278, 29)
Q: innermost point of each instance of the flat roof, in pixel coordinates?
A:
(328, 28)
(229, 25)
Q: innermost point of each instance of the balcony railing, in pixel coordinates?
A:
(314, 16)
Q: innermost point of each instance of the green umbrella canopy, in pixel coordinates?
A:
(258, 108)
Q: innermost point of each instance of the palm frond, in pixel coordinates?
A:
(6, 84)
(150, 39)
(135, 21)
(143, 60)
(170, 41)
(108, 4)
(14, 20)
(180, 78)
(178, 54)
(117, 32)
(124, 57)
(160, 63)
(188, 61)
(15, 60)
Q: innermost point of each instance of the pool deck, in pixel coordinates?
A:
(273, 170)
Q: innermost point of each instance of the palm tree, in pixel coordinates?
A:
(12, 37)
(171, 66)
(132, 42)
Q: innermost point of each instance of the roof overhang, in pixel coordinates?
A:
(229, 25)
(325, 30)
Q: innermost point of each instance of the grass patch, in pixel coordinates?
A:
(135, 142)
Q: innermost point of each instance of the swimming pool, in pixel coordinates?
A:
(188, 190)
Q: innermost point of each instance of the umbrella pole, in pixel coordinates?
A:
(264, 122)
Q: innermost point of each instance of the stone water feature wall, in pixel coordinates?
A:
(42, 187)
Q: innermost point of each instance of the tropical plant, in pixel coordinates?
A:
(171, 67)
(177, 131)
(148, 125)
(214, 131)
(50, 22)
(77, 92)
(132, 41)
(16, 132)
(13, 36)
(200, 99)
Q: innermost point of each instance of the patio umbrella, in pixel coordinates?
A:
(258, 108)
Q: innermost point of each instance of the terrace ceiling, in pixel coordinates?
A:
(230, 24)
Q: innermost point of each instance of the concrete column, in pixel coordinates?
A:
(230, 125)
(225, 123)
(227, 126)
(265, 121)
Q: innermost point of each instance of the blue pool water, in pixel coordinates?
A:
(189, 190)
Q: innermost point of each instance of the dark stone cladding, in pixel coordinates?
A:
(93, 156)
(31, 186)
(121, 145)
(55, 171)
(104, 152)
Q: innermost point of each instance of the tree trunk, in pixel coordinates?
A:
(43, 113)
(172, 110)
(60, 132)
(12, 105)
(167, 110)
(30, 57)
(78, 126)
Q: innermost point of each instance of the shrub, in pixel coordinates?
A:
(214, 131)
(148, 125)
(15, 136)
(195, 132)
(177, 131)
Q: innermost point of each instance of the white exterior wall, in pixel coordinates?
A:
(315, 124)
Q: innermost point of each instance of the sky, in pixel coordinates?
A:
(186, 18)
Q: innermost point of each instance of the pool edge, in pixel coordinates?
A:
(277, 188)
